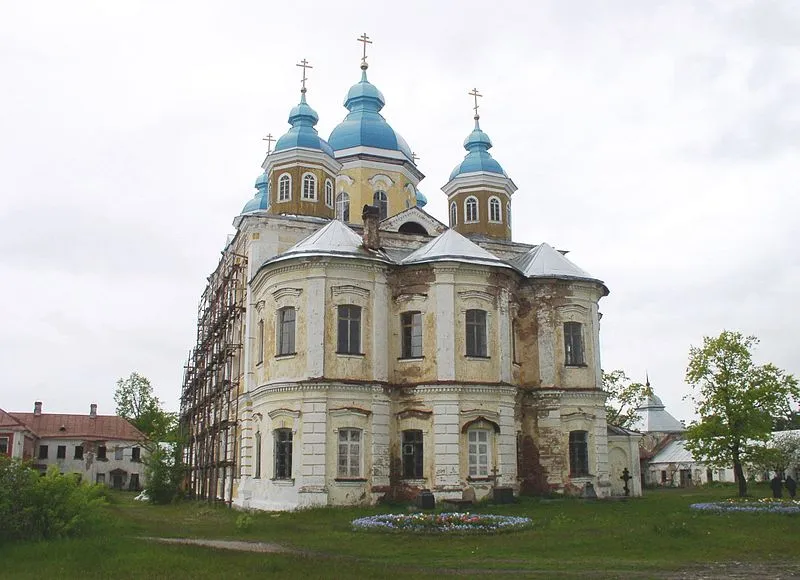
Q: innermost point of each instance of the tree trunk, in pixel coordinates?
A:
(738, 473)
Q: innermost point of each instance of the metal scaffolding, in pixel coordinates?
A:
(211, 384)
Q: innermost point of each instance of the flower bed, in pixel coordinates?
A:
(442, 523)
(765, 505)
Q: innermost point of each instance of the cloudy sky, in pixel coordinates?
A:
(657, 141)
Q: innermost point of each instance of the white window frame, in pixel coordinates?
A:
(508, 213)
(479, 445)
(380, 199)
(329, 193)
(342, 199)
(471, 200)
(347, 469)
(495, 204)
(309, 192)
(281, 327)
(257, 456)
(453, 214)
(7, 445)
(260, 342)
(284, 193)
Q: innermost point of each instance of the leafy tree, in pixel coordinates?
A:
(624, 397)
(137, 403)
(735, 399)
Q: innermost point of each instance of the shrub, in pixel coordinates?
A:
(53, 506)
(163, 474)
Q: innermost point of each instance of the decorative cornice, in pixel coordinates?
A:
(344, 178)
(349, 289)
(343, 411)
(417, 413)
(289, 413)
(476, 294)
(471, 414)
(378, 178)
(281, 293)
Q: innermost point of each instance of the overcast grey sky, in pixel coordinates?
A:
(657, 141)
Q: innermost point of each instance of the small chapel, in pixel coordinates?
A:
(352, 348)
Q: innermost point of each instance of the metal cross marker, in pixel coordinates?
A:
(474, 93)
(364, 39)
(304, 65)
(269, 139)
(414, 157)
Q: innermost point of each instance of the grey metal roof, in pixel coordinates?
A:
(674, 452)
(335, 239)
(654, 418)
(544, 261)
(453, 247)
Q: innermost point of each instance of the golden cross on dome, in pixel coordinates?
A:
(475, 94)
(304, 65)
(269, 139)
(365, 40)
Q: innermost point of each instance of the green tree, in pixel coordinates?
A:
(735, 399)
(624, 397)
(137, 403)
(779, 454)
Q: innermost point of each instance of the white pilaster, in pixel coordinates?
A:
(315, 324)
(380, 330)
(445, 325)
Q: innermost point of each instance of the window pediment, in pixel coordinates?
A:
(282, 293)
(349, 289)
(349, 411)
(476, 295)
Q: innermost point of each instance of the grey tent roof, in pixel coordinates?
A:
(654, 418)
(674, 452)
(453, 247)
(544, 261)
(335, 239)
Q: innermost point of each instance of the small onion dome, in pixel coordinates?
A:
(364, 126)
(422, 201)
(261, 199)
(303, 134)
(478, 157)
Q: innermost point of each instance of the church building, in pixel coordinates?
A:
(353, 348)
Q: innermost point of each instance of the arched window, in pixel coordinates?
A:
(495, 214)
(508, 214)
(343, 207)
(471, 210)
(285, 187)
(453, 214)
(309, 187)
(578, 453)
(257, 455)
(328, 193)
(381, 202)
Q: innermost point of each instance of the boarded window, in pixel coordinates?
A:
(476, 333)
(412, 454)
(283, 454)
(349, 458)
(573, 344)
(578, 453)
(411, 323)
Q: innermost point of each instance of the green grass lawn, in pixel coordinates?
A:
(638, 538)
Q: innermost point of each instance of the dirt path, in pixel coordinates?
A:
(710, 571)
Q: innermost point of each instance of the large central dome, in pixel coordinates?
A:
(364, 126)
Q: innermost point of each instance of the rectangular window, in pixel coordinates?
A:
(286, 326)
(4, 446)
(573, 344)
(118, 453)
(349, 331)
(283, 454)
(101, 478)
(412, 454)
(412, 334)
(78, 452)
(349, 453)
(663, 476)
(42, 451)
(478, 442)
(136, 454)
(260, 342)
(257, 474)
(101, 452)
(61, 452)
(476, 333)
(134, 483)
(578, 453)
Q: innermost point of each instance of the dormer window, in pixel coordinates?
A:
(471, 210)
(285, 187)
(309, 187)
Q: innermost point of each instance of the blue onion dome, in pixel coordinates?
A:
(303, 134)
(364, 125)
(422, 201)
(478, 157)
(261, 199)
